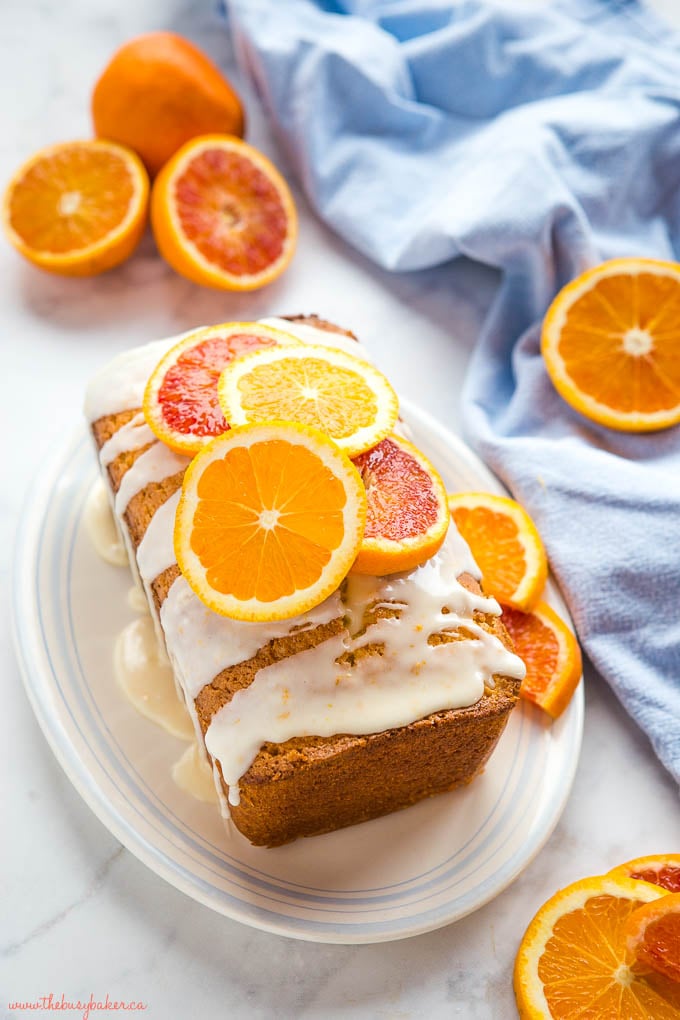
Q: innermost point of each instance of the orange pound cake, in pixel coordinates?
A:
(393, 689)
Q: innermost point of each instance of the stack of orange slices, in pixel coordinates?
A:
(509, 552)
(297, 476)
(606, 947)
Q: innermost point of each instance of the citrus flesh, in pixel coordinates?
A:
(222, 214)
(77, 208)
(344, 397)
(653, 936)
(550, 653)
(181, 405)
(610, 342)
(269, 521)
(505, 544)
(407, 516)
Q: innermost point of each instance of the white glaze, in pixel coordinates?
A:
(132, 436)
(102, 528)
(155, 553)
(146, 678)
(119, 385)
(155, 465)
(137, 599)
(202, 644)
(193, 774)
(311, 695)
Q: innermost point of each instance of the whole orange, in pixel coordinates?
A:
(157, 92)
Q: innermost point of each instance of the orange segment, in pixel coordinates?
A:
(408, 516)
(345, 397)
(659, 869)
(506, 545)
(573, 961)
(222, 214)
(269, 521)
(550, 653)
(77, 208)
(180, 400)
(610, 341)
(653, 936)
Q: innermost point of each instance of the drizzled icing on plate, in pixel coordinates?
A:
(310, 693)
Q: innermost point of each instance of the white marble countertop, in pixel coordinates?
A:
(78, 913)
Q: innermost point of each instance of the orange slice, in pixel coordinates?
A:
(610, 344)
(180, 400)
(222, 214)
(408, 516)
(550, 653)
(506, 545)
(653, 936)
(77, 208)
(345, 397)
(659, 869)
(269, 521)
(573, 960)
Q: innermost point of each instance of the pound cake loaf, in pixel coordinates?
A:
(393, 689)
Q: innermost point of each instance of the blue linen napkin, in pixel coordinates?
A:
(539, 142)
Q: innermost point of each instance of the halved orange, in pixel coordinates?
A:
(408, 515)
(659, 869)
(610, 343)
(573, 960)
(269, 521)
(653, 936)
(506, 545)
(222, 214)
(345, 397)
(77, 208)
(180, 401)
(550, 653)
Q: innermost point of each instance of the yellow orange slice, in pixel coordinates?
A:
(659, 869)
(653, 936)
(269, 521)
(573, 960)
(345, 397)
(77, 208)
(180, 401)
(408, 515)
(222, 214)
(610, 343)
(550, 653)
(506, 545)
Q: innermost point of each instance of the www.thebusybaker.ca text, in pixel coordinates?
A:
(85, 1008)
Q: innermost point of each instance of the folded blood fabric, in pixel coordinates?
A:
(538, 141)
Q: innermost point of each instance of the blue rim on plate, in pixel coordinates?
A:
(469, 844)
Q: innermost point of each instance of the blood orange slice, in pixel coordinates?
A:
(180, 402)
(550, 653)
(653, 936)
(659, 869)
(223, 215)
(407, 516)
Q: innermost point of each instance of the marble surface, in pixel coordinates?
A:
(78, 913)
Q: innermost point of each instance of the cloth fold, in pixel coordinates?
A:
(538, 141)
